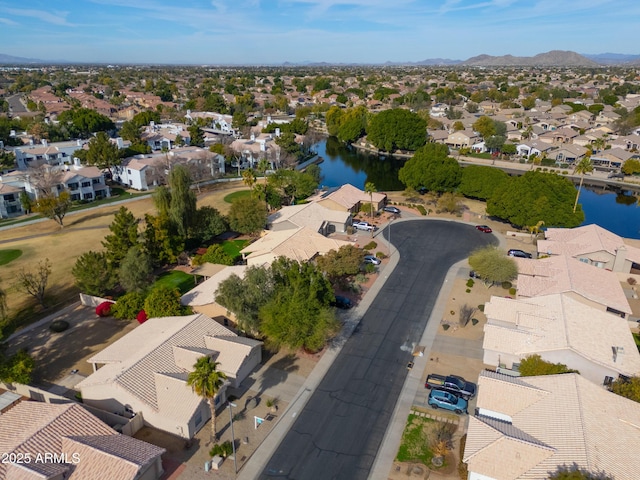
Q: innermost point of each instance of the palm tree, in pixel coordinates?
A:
(206, 380)
(582, 167)
(370, 188)
(249, 178)
(263, 166)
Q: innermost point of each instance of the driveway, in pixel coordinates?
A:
(340, 430)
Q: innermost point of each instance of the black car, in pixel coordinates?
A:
(342, 302)
(518, 253)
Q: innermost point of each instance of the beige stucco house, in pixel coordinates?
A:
(145, 372)
(528, 427)
(348, 198)
(84, 447)
(561, 330)
(313, 215)
(593, 245)
(592, 286)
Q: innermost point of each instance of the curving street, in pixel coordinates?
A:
(338, 433)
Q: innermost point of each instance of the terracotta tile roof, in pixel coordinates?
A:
(38, 428)
(555, 323)
(572, 420)
(300, 244)
(561, 274)
(140, 359)
(585, 240)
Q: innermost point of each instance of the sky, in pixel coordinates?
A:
(266, 32)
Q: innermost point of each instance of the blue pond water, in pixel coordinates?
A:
(617, 212)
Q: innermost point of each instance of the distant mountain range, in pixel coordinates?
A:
(554, 58)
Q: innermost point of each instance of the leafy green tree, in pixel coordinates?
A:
(245, 296)
(479, 181)
(161, 240)
(287, 142)
(34, 282)
(298, 314)
(26, 202)
(17, 368)
(431, 168)
(102, 153)
(128, 306)
(493, 265)
(495, 142)
(582, 167)
(7, 159)
(248, 215)
(206, 380)
(353, 124)
(94, 273)
(333, 120)
(216, 254)
(163, 301)
(124, 235)
(509, 149)
(293, 184)
(534, 365)
(162, 200)
(397, 129)
(54, 207)
(82, 122)
(135, 270)
(144, 118)
(196, 136)
(209, 223)
(336, 264)
(631, 167)
(627, 388)
(131, 132)
(485, 126)
(536, 196)
(182, 209)
(457, 126)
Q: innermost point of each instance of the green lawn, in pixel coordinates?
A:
(232, 197)
(7, 256)
(233, 247)
(415, 440)
(176, 279)
(636, 337)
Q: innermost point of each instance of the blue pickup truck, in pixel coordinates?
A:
(452, 384)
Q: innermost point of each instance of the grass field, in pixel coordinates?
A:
(233, 247)
(232, 197)
(83, 231)
(176, 279)
(7, 256)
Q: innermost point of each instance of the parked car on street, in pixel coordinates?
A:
(392, 209)
(452, 384)
(514, 252)
(616, 175)
(448, 401)
(372, 259)
(366, 226)
(484, 228)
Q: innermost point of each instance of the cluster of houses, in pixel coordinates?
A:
(571, 308)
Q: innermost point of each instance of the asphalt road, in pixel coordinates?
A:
(338, 433)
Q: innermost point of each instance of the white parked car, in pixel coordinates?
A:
(366, 226)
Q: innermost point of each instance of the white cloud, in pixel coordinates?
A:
(57, 18)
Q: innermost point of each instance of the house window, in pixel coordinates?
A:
(96, 180)
(599, 264)
(86, 184)
(607, 381)
(73, 186)
(216, 401)
(128, 171)
(88, 196)
(9, 198)
(75, 197)
(584, 260)
(616, 312)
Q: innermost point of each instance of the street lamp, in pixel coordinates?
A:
(233, 439)
(390, 222)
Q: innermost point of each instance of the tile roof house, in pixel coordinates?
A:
(10, 205)
(204, 293)
(596, 287)
(85, 448)
(348, 198)
(301, 244)
(313, 215)
(593, 245)
(146, 371)
(561, 330)
(528, 427)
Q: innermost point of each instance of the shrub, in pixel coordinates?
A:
(361, 278)
(370, 246)
(512, 291)
(381, 255)
(104, 309)
(631, 281)
(128, 306)
(506, 285)
(223, 449)
(445, 326)
(421, 209)
(474, 321)
(369, 268)
(468, 290)
(59, 326)
(470, 283)
(481, 307)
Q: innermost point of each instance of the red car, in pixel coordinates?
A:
(484, 228)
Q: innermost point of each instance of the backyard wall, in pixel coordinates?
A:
(91, 301)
